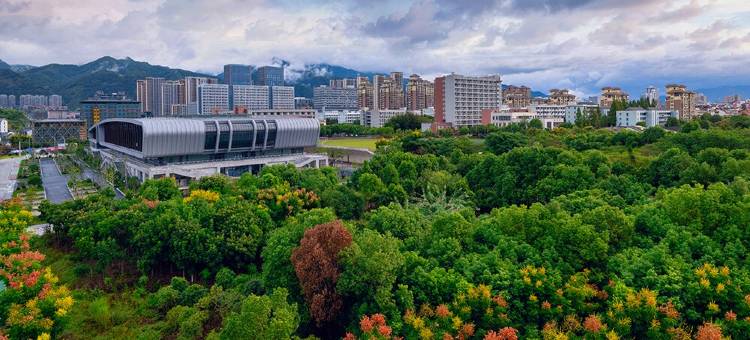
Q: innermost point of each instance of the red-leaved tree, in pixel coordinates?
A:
(316, 264)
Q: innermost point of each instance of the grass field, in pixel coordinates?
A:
(359, 143)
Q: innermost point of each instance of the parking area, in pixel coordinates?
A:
(55, 184)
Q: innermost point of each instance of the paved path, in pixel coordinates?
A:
(8, 173)
(55, 184)
(96, 177)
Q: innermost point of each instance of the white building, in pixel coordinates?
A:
(282, 97)
(55, 101)
(172, 93)
(213, 98)
(191, 88)
(378, 118)
(343, 116)
(549, 111)
(571, 111)
(251, 97)
(506, 116)
(459, 100)
(650, 117)
(651, 94)
(334, 98)
(3, 125)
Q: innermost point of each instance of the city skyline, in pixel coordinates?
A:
(580, 45)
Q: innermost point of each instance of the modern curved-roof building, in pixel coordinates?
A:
(200, 143)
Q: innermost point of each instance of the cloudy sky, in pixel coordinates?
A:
(577, 44)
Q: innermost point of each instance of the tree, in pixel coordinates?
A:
(408, 121)
(501, 142)
(263, 317)
(316, 264)
(160, 189)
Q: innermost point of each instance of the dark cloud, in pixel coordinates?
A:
(9, 6)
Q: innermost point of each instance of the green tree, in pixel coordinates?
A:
(263, 317)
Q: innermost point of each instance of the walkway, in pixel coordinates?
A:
(8, 173)
(55, 184)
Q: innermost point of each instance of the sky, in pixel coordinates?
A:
(581, 45)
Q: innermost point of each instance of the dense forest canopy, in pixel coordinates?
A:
(524, 233)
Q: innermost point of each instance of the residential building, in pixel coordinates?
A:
(517, 96)
(648, 117)
(611, 94)
(26, 101)
(364, 93)
(459, 100)
(420, 93)
(191, 148)
(213, 98)
(62, 114)
(378, 118)
(652, 95)
(105, 106)
(173, 97)
(549, 110)
(268, 76)
(191, 87)
(55, 101)
(236, 74)
(49, 132)
(390, 89)
(282, 97)
(250, 97)
(561, 97)
(681, 100)
(3, 126)
(343, 83)
(148, 91)
(4, 100)
(335, 98)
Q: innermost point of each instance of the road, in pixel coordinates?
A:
(8, 173)
(55, 184)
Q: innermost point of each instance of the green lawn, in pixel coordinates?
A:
(359, 143)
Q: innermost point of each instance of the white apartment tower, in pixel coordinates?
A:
(459, 100)
(213, 99)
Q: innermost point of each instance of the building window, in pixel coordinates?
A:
(210, 143)
(224, 135)
(261, 133)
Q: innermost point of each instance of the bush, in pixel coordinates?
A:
(100, 312)
(164, 299)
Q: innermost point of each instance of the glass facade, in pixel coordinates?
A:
(124, 134)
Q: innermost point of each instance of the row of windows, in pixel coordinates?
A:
(243, 134)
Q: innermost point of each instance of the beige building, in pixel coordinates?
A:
(420, 93)
(561, 97)
(364, 93)
(517, 96)
(681, 100)
(611, 94)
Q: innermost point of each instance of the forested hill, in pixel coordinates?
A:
(77, 82)
(496, 233)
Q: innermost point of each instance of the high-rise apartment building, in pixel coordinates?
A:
(140, 94)
(459, 100)
(31, 100)
(343, 83)
(4, 100)
(250, 97)
(652, 95)
(173, 97)
(149, 93)
(610, 95)
(335, 98)
(191, 87)
(681, 100)
(390, 91)
(364, 93)
(517, 97)
(561, 97)
(282, 97)
(420, 93)
(55, 101)
(236, 74)
(268, 76)
(213, 99)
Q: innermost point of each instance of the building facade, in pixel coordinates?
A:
(335, 98)
(647, 117)
(517, 97)
(190, 148)
(250, 97)
(213, 99)
(652, 95)
(268, 76)
(55, 101)
(236, 74)
(282, 97)
(610, 95)
(420, 93)
(681, 100)
(49, 132)
(173, 97)
(105, 106)
(364, 93)
(561, 97)
(459, 100)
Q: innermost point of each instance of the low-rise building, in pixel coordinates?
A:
(47, 132)
(506, 116)
(343, 116)
(191, 148)
(378, 118)
(648, 117)
(584, 109)
(105, 106)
